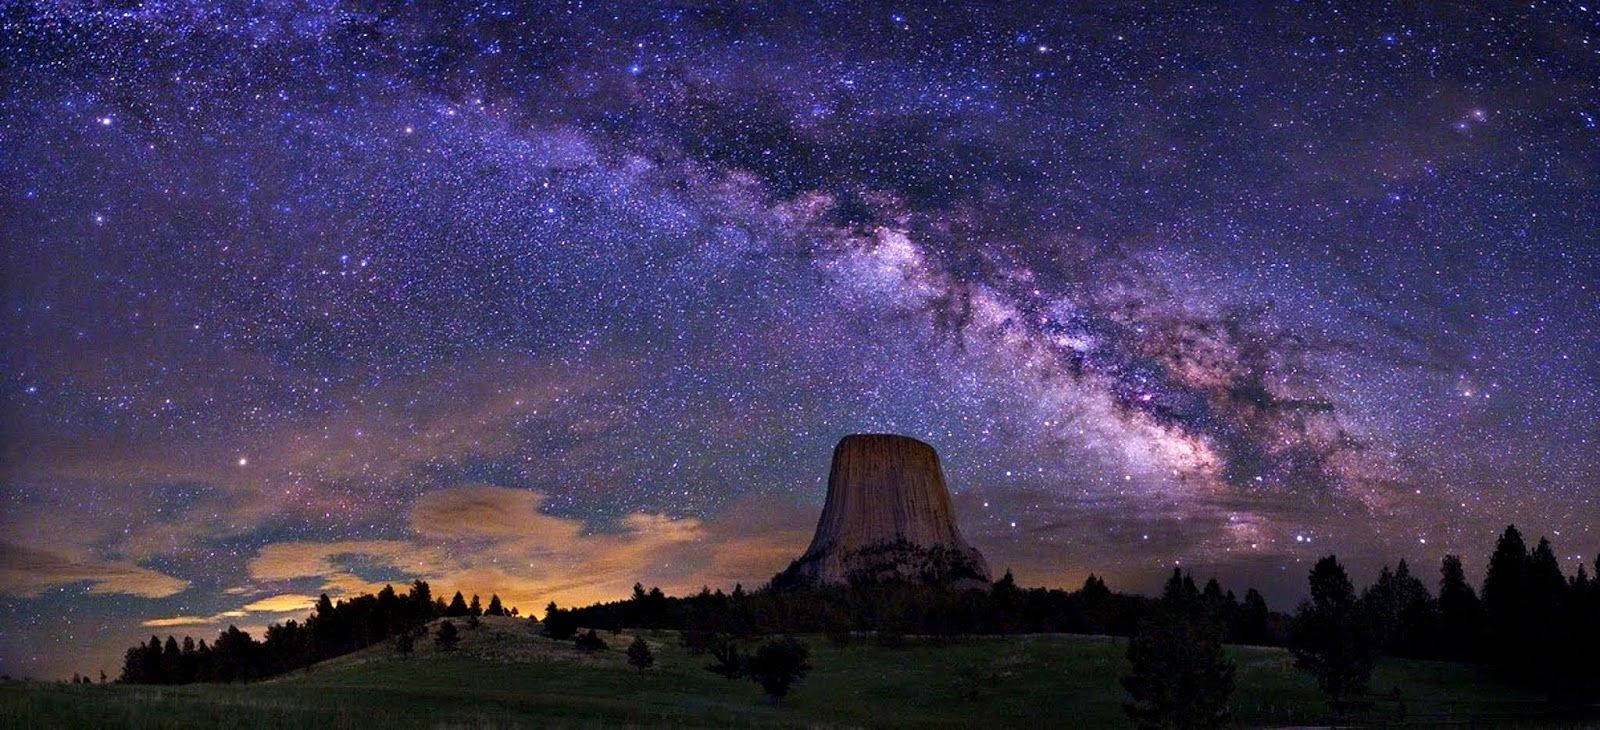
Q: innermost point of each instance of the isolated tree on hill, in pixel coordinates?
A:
(1329, 639)
(448, 637)
(639, 654)
(495, 609)
(777, 664)
(1180, 677)
(458, 606)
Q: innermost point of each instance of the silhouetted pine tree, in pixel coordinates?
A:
(1400, 612)
(1330, 640)
(558, 624)
(1253, 616)
(1507, 610)
(1179, 676)
(458, 606)
(1460, 630)
(1579, 665)
(495, 609)
(1094, 603)
(476, 609)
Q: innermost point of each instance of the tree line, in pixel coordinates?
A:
(333, 628)
(1530, 623)
(889, 609)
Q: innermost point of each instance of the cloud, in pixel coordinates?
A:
(498, 540)
(290, 560)
(178, 621)
(488, 512)
(282, 603)
(27, 572)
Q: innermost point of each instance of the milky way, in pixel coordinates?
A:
(545, 299)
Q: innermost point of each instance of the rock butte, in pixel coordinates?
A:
(887, 516)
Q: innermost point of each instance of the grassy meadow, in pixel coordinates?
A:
(504, 675)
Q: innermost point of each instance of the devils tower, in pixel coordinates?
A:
(887, 517)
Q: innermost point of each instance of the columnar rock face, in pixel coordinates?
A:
(887, 517)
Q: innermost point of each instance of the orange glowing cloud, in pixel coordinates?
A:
(282, 603)
(497, 540)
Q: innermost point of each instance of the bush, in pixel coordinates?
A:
(639, 654)
(777, 665)
(590, 642)
(448, 637)
(729, 662)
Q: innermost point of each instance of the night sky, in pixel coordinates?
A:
(543, 299)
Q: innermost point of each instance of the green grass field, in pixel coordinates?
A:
(505, 676)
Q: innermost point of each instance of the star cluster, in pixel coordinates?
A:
(543, 299)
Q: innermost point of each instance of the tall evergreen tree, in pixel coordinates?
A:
(458, 606)
(1460, 632)
(495, 609)
(1547, 587)
(1180, 677)
(1507, 609)
(1330, 640)
(476, 608)
(1399, 611)
(1253, 616)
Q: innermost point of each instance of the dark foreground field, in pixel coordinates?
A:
(505, 676)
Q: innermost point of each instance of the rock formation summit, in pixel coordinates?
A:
(887, 517)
